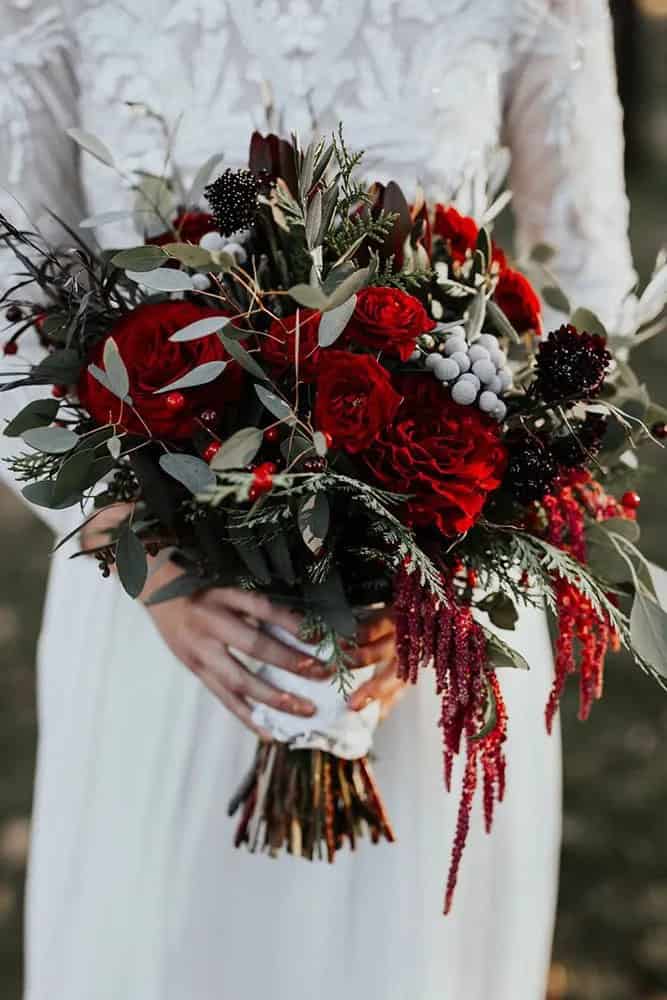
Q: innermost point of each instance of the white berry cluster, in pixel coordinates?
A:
(216, 242)
(475, 373)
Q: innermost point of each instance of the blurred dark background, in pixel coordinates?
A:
(611, 936)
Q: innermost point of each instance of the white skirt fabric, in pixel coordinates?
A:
(136, 892)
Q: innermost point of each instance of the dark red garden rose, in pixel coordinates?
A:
(355, 400)
(387, 319)
(517, 299)
(152, 362)
(278, 344)
(459, 232)
(448, 457)
(190, 226)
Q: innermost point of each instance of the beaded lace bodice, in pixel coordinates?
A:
(430, 88)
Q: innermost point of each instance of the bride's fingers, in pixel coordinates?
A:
(256, 606)
(384, 685)
(378, 652)
(236, 705)
(231, 630)
(230, 675)
(379, 624)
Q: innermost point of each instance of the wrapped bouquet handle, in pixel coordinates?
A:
(311, 788)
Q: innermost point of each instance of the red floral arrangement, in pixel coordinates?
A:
(327, 394)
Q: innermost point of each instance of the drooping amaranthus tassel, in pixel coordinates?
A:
(444, 635)
(579, 623)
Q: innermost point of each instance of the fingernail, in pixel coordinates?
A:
(357, 704)
(292, 704)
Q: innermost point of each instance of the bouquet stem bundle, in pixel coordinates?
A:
(308, 802)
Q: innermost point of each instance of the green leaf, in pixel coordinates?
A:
(41, 494)
(200, 328)
(501, 323)
(164, 279)
(239, 354)
(501, 654)
(115, 369)
(189, 470)
(104, 218)
(278, 552)
(131, 561)
(153, 206)
(348, 286)
(250, 553)
(238, 450)
(320, 442)
(556, 298)
(39, 413)
(113, 446)
(51, 440)
(475, 316)
(92, 145)
(190, 255)
(585, 319)
(314, 220)
(484, 245)
(274, 404)
(313, 520)
(73, 475)
(328, 600)
(309, 296)
(490, 713)
(200, 375)
(648, 632)
(201, 179)
(144, 258)
(333, 322)
(181, 586)
(542, 253)
(62, 367)
(501, 610)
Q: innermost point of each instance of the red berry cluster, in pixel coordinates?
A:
(262, 480)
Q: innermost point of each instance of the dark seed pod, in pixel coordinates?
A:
(233, 199)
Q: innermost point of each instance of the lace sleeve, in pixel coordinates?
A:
(38, 163)
(564, 128)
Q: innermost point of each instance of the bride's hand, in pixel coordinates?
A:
(377, 644)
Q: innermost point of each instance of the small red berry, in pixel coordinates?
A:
(11, 347)
(175, 401)
(328, 440)
(267, 469)
(659, 431)
(59, 391)
(272, 434)
(211, 450)
(39, 321)
(631, 500)
(209, 417)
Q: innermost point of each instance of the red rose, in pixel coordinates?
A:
(459, 232)
(448, 457)
(190, 226)
(354, 401)
(517, 299)
(152, 362)
(278, 345)
(387, 319)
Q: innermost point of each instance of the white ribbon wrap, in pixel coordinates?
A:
(334, 727)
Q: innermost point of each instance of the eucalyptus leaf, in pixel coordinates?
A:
(333, 322)
(349, 286)
(60, 367)
(38, 413)
(242, 357)
(585, 319)
(92, 145)
(142, 258)
(274, 404)
(200, 328)
(314, 220)
(501, 654)
(191, 256)
(189, 470)
(648, 632)
(320, 443)
(501, 610)
(556, 298)
(278, 552)
(309, 296)
(238, 450)
(104, 218)
(51, 440)
(115, 369)
(475, 315)
(200, 375)
(201, 179)
(501, 323)
(490, 717)
(73, 475)
(41, 494)
(131, 561)
(181, 586)
(163, 279)
(113, 446)
(154, 205)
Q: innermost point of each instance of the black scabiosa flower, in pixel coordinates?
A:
(576, 447)
(233, 199)
(531, 468)
(570, 365)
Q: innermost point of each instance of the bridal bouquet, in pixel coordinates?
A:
(314, 389)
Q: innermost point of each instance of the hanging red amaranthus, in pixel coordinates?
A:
(584, 634)
(443, 634)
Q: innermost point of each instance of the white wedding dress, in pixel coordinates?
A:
(135, 892)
